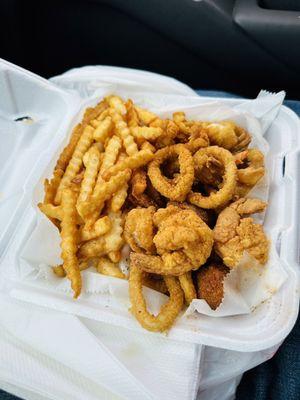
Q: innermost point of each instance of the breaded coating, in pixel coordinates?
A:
(210, 284)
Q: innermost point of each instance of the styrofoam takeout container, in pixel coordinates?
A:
(26, 151)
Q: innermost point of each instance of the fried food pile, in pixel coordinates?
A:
(174, 190)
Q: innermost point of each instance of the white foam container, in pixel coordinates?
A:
(26, 152)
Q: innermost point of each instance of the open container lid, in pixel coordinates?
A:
(28, 146)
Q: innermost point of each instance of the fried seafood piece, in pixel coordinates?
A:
(168, 312)
(183, 243)
(210, 284)
(139, 184)
(177, 188)
(186, 127)
(139, 230)
(192, 133)
(187, 285)
(208, 169)
(170, 130)
(251, 169)
(247, 206)
(155, 282)
(233, 234)
(228, 135)
(203, 214)
(226, 187)
(198, 138)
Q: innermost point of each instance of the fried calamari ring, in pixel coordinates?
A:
(177, 188)
(228, 185)
(250, 164)
(139, 229)
(169, 311)
(187, 285)
(155, 282)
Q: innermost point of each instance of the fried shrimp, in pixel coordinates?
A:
(183, 243)
(139, 230)
(251, 169)
(233, 235)
(177, 188)
(228, 135)
(228, 185)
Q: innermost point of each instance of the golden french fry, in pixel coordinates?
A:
(73, 167)
(68, 151)
(178, 116)
(103, 129)
(93, 230)
(119, 198)
(124, 133)
(90, 174)
(78, 178)
(100, 117)
(85, 158)
(117, 104)
(86, 155)
(92, 248)
(106, 267)
(145, 132)
(147, 146)
(92, 113)
(132, 116)
(51, 211)
(61, 273)
(56, 212)
(145, 116)
(106, 190)
(187, 285)
(114, 238)
(111, 153)
(51, 187)
(135, 161)
(69, 240)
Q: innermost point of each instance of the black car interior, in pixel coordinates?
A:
(239, 46)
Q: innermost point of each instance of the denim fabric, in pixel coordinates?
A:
(7, 396)
(278, 378)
